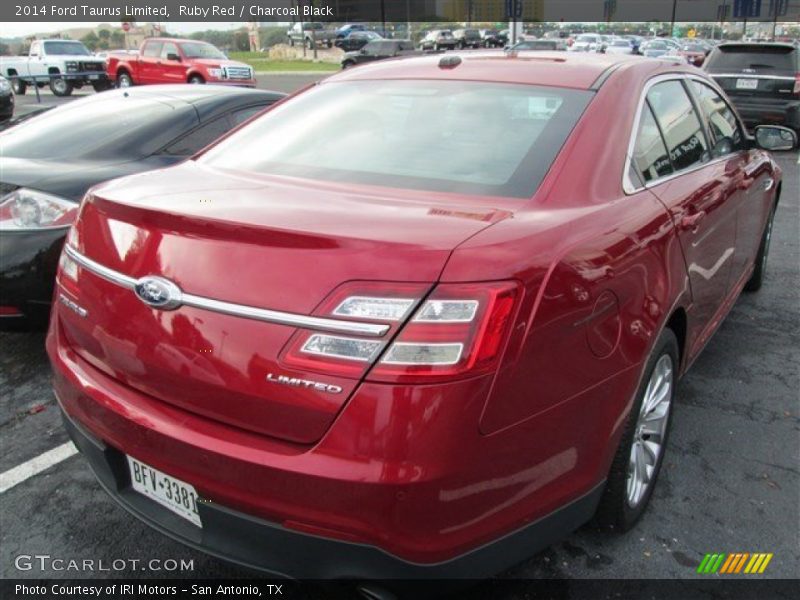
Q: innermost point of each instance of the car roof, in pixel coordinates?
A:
(557, 69)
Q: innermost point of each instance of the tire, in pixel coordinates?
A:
(347, 64)
(757, 278)
(124, 80)
(437, 47)
(626, 496)
(60, 87)
(309, 44)
(20, 87)
(101, 86)
(291, 42)
(196, 80)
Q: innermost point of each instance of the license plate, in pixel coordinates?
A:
(93, 77)
(746, 84)
(170, 492)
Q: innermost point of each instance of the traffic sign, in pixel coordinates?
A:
(746, 9)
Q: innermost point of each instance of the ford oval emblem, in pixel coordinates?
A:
(158, 292)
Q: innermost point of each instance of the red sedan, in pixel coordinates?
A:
(425, 317)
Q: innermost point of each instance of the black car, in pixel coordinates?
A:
(379, 50)
(762, 80)
(357, 40)
(467, 38)
(491, 38)
(6, 99)
(51, 160)
(438, 39)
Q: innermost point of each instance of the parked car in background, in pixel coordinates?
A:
(586, 42)
(51, 159)
(553, 45)
(491, 38)
(6, 99)
(618, 46)
(168, 60)
(379, 50)
(347, 29)
(311, 34)
(695, 53)
(655, 48)
(429, 362)
(357, 40)
(467, 38)
(438, 39)
(63, 65)
(762, 80)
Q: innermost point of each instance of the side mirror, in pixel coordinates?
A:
(173, 56)
(773, 137)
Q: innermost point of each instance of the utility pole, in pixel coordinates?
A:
(672, 26)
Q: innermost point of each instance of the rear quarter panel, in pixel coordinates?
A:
(602, 272)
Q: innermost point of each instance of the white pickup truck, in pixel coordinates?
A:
(61, 64)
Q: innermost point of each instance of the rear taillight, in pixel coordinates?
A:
(796, 89)
(459, 330)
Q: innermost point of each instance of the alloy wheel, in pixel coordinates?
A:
(651, 428)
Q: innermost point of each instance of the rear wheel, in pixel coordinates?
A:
(124, 80)
(638, 460)
(60, 87)
(757, 278)
(347, 64)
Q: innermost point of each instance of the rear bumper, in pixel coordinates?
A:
(270, 547)
(403, 484)
(763, 111)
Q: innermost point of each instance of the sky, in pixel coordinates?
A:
(12, 30)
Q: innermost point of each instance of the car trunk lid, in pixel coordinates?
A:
(755, 71)
(275, 245)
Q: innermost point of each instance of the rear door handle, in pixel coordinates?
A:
(692, 221)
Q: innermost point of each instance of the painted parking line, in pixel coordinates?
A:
(35, 466)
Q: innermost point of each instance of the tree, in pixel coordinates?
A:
(90, 40)
(104, 34)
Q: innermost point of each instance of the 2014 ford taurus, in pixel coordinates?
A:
(435, 359)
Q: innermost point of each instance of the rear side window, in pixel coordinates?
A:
(446, 136)
(199, 138)
(726, 136)
(152, 49)
(650, 157)
(679, 123)
(762, 59)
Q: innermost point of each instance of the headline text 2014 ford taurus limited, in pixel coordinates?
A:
(359, 337)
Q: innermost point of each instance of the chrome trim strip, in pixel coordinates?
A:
(628, 186)
(749, 76)
(239, 310)
(98, 269)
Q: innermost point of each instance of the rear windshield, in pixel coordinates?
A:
(759, 58)
(445, 136)
(105, 126)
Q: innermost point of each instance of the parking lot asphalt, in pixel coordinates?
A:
(730, 481)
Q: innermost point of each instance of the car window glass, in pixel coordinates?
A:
(650, 156)
(168, 48)
(34, 51)
(152, 49)
(428, 135)
(726, 136)
(679, 123)
(199, 138)
(241, 115)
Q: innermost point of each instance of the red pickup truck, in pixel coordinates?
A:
(165, 60)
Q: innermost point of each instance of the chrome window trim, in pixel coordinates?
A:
(628, 186)
(238, 310)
